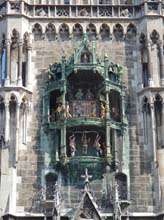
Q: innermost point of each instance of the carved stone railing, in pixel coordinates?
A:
(94, 8)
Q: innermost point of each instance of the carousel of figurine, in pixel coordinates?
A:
(85, 142)
(72, 145)
(67, 110)
(79, 95)
(89, 95)
(97, 145)
(102, 110)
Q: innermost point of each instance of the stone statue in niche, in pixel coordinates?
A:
(85, 142)
(72, 144)
(85, 58)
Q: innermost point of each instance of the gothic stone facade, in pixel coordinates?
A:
(81, 109)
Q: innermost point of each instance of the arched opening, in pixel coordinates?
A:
(2, 122)
(131, 32)
(147, 155)
(118, 32)
(37, 32)
(50, 32)
(56, 106)
(154, 36)
(84, 93)
(91, 32)
(13, 125)
(14, 56)
(51, 180)
(144, 60)
(158, 106)
(3, 59)
(105, 32)
(64, 32)
(115, 105)
(77, 32)
(85, 142)
(121, 180)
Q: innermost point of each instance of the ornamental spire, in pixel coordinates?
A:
(86, 180)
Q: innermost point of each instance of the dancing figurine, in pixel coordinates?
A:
(72, 145)
(67, 110)
(97, 146)
(85, 142)
(102, 110)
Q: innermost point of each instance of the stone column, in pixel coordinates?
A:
(162, 129)
(161, 57)
(153, 131)
(7, 7)
(29, 80)
(145, 8)
(7, 122)
(150, 72)
(22, 7)
(108, 147)
(7, 60)
(63, 130)
(20, 51)
(124, 119)
(1, 65)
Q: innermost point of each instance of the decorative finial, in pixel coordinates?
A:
(86, 180)
(105, 55)
(84, 38)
